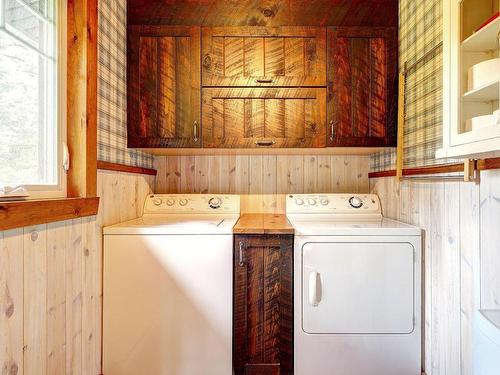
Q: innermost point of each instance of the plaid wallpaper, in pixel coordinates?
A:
(420, 38)
(112, 88)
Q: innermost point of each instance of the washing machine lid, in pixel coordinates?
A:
(326, 225)
(176, 224)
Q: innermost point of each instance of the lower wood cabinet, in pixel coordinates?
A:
(264, 117)
(263, 305)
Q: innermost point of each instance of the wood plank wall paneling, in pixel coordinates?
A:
(490, 239)
(461, 259)
(50, 285)
(262, 180)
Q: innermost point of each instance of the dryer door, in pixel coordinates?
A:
(358, 288)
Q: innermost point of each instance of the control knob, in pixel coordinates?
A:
(311, 202)
(157, 201)
(299, 201)
(324, 202)
(183, 202)
(170, 202)
(214, 202)
(355, 202)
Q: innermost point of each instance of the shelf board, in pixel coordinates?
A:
(484, 39)
(351, 151)
(484, 93)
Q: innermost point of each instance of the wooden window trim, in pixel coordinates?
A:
(81, 90)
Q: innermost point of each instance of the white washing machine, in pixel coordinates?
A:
(168, 288)
(357, 288)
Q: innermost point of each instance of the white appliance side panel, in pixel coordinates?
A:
(167, 305)
(358, 288)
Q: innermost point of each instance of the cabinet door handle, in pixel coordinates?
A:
(332, 130)
(265, 142)
(314, 288)
(241, 261)
(195, 131)
(263, 80)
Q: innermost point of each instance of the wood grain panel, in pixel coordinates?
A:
(264, 12)
(490, 238)
(81, 97)
(242, 117)
(262, 180)
(362, 77)
(50, 285)
(260, 56)
(148, 81)
(57, 243)
(163, 85)
(460, 259)
(263, 304)
(35, 300)
(11, 302)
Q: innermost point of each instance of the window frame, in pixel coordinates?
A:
(58, 190)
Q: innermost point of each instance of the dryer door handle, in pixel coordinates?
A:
(314, 288)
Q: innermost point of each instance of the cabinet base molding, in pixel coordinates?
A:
(361, 151)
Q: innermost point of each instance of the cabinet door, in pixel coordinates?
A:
(362, 86)
(264, 117)
(264, 56)
(163, 86)
(263, 320)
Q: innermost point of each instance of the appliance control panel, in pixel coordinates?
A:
(340, 204)
(192, 203)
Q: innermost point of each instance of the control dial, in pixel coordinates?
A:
(157, 201)
(183, 202)
(355, 202)
(299, 201)
(311, 202)
(214, 202)
(170, 202)
(324, 202)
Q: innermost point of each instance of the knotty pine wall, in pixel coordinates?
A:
(462, 259)
(50, 285)
(262, 180)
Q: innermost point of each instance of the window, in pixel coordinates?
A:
(32, 95)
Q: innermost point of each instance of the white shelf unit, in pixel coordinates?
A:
(484, 39)
(485, 93)
(465, 44)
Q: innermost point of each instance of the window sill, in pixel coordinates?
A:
(17, 214)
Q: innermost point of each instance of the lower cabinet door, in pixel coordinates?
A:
(263, 305)
(264, 117)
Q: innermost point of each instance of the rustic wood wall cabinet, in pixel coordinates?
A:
(164, 86)
(263, 304)
(362, 86)
(321, 82)
(264, 56)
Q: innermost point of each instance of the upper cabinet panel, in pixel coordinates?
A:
(264, 117)
(362, 82)
(164, 86)
(264, 56)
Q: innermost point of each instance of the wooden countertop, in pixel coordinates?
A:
(263, 224)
